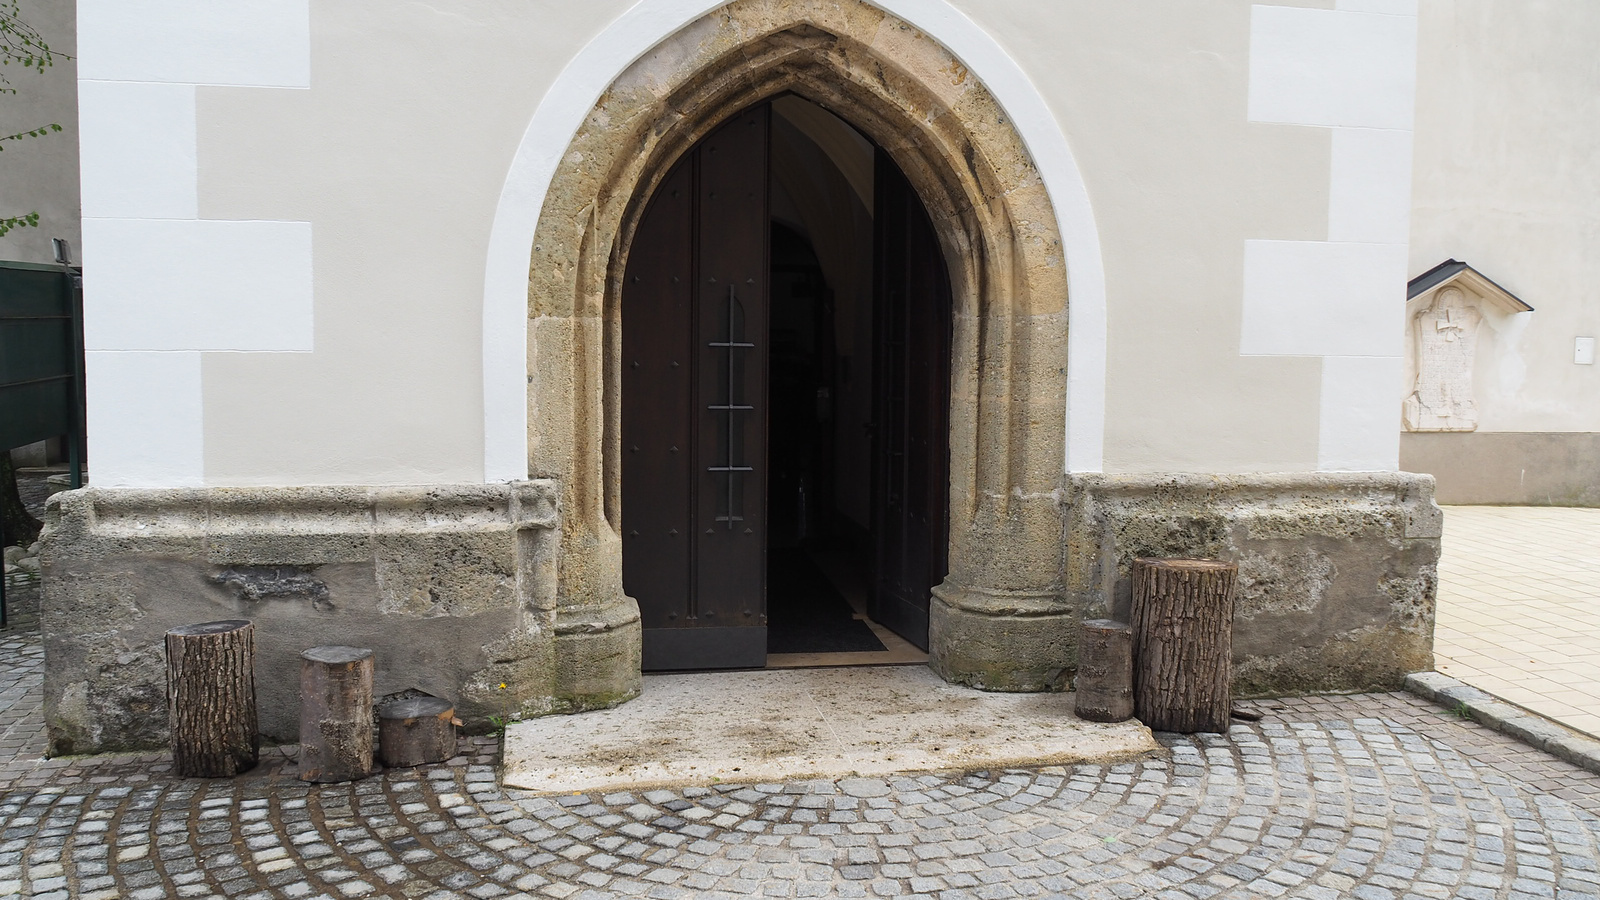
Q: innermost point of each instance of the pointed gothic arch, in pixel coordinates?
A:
(999, 621)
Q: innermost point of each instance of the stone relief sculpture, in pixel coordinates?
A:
(1444, 340)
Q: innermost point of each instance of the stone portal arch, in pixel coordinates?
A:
(999, 620)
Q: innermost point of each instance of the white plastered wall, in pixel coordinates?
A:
(163, 286)
(352, 133)
(1508, 180)
(1351, 70)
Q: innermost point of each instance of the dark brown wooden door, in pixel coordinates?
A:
(694, 406)
(911, 381)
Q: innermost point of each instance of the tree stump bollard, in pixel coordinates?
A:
(416, 731)
(335, 714)
(211, 698)
(1183, 643)
(1104, 685)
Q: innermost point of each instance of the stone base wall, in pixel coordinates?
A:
(456, 590)
(1337, 573)
(452, 587)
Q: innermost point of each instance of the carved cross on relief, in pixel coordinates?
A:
(1444, 341)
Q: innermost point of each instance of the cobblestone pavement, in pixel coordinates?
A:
(1369, 796)
(21, 676)
(1519, 607)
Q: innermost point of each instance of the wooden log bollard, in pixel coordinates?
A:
(1183, 643)
(335, 714)
(416, 731)
(1104, 686)
(211, 698)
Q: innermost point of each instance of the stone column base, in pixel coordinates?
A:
(1000, 641)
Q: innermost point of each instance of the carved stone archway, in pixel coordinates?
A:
(999, 620)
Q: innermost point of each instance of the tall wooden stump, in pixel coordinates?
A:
(211, 698)
(1104, 686)
(416, 731)
(1183, 643)
(335, 714)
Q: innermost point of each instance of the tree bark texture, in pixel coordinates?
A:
(335, 714)
(18, 527)
(416, 731)
(1183, 643)
(1104, 686)
(211, 698)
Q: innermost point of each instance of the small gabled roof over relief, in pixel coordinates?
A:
(1452, 270)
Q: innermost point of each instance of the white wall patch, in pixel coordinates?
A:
(137, 149)
(1369, 193)
(1332, 67)
(1360, 423)
(1315, 298)
(145, 417)
(252, 43)
(153, 284)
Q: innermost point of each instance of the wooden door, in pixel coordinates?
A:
(911, 381)
(694, 406)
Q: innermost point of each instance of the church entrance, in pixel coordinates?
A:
(785, 388)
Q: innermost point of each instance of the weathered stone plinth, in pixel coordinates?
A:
(1337, 572)
(453, 586)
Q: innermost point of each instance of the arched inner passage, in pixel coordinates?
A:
(786, 316)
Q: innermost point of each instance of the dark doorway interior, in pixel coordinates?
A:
(784, 388)
(806, 611)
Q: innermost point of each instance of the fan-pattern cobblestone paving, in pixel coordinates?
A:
(1372, 796)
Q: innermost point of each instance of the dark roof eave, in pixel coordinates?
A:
(1448, 271)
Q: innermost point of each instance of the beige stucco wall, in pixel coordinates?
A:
(397, 152)
(41, 174)
(396, 155)
(1507, 178)
(1152, 98)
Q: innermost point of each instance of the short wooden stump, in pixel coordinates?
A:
(416, 731)
(211, 698)
(1183, 643)
(1104, 686)
(335, 714)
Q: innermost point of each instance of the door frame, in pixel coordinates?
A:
(1000, 620)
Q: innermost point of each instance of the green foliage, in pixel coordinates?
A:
(31, 220)
(21, 46)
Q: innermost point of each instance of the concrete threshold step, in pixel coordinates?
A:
(787, 725)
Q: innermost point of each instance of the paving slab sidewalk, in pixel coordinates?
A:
(1519, 608)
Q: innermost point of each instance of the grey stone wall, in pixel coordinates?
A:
(456, 589)
(1337, 573)
(453, 587)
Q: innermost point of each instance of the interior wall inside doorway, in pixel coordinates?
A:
(822, 188)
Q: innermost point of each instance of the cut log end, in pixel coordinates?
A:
(416, 731)
(336, 656)
(207, 628)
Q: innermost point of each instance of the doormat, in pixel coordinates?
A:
(806, 614)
